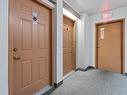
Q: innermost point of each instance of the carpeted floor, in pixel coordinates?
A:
(93, 82)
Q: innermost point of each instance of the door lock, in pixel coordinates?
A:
(15, 49)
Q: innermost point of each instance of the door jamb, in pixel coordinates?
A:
(122, 39)
(10, 43)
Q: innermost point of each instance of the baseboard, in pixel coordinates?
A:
(49, 91)
(88, 68)
(80, 69)
(58, 84)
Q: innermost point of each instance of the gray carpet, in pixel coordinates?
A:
(93, 82)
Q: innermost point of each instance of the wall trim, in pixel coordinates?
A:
(49, 91)
(58, 84)
(70, 9)
(46, 3)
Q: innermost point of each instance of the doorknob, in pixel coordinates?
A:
(16, 57)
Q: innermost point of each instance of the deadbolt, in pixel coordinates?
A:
(15, 49)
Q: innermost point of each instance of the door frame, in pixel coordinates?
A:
(75, 31)
(10, 42)
(122, 41)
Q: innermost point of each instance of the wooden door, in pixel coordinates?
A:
(109, 46)
(31, 28)
(69, 46)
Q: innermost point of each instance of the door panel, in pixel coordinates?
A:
(26, 37)
(69, 45)
(32, 47)
(110, 46)
(26, 73)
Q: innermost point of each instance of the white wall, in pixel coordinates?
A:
(3, 47)
(83, 46)
(117, 14)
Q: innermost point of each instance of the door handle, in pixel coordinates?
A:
(17, 57)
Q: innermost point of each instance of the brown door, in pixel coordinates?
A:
(69, 46)
(109, 46)
(30, 25)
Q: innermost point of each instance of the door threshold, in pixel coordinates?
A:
(44, 90)
(67, 75)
